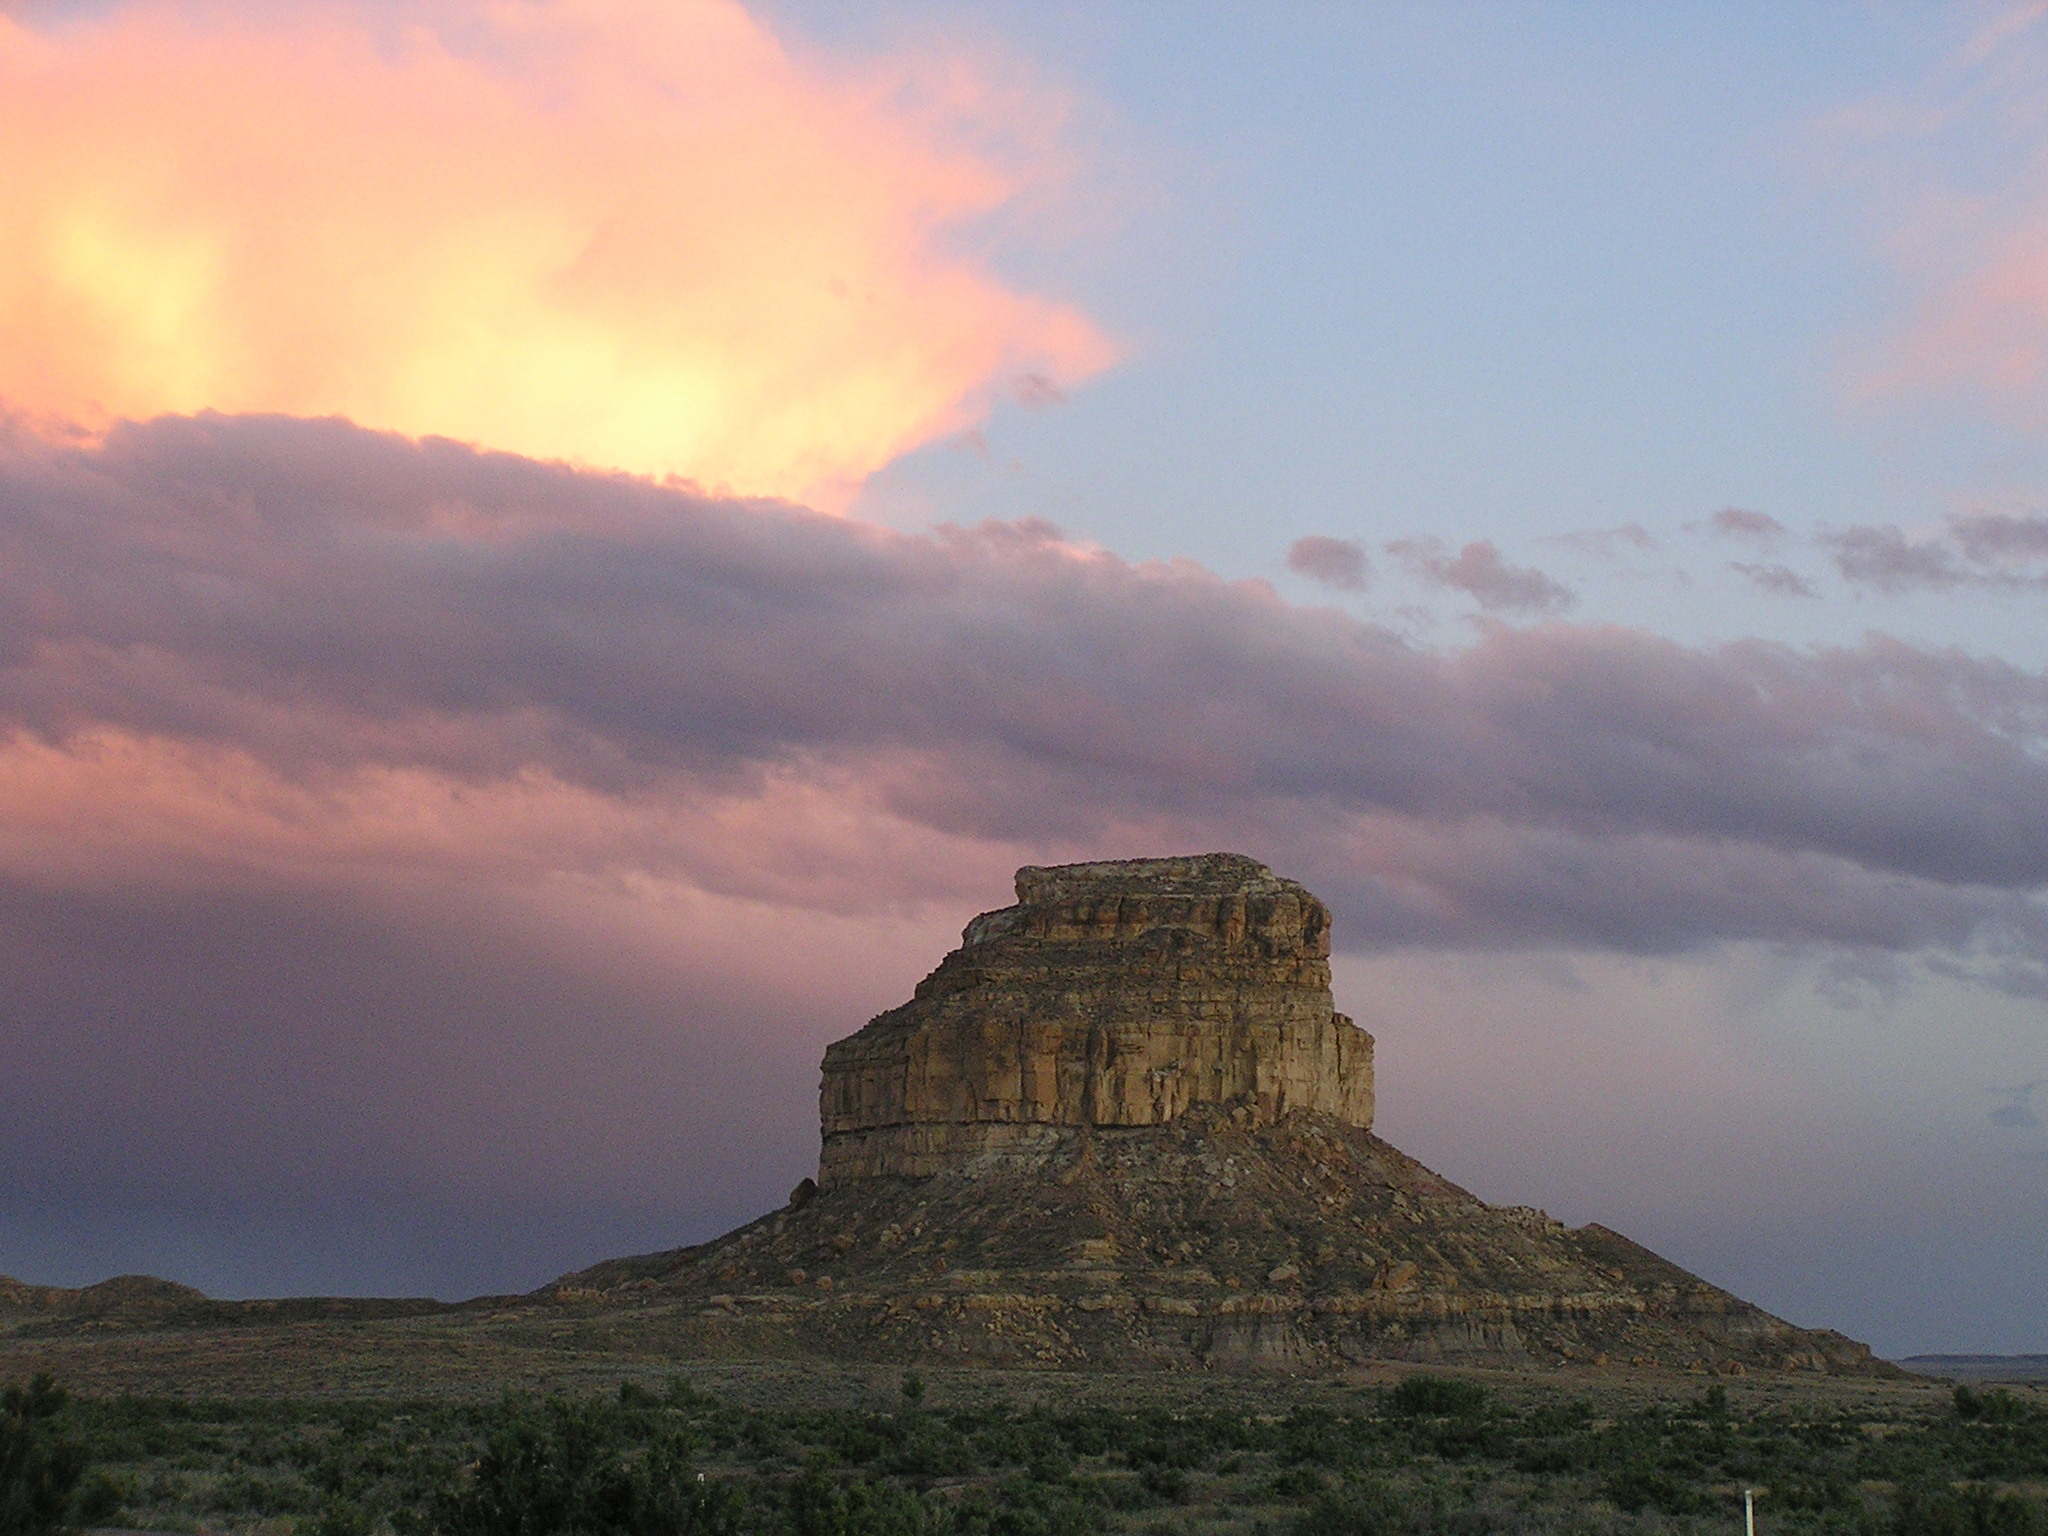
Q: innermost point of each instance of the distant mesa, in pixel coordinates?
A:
(1123, 1126)
(124, 1296)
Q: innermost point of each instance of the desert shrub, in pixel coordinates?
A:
(1426, 1396)
(1366, 1509)
(99, 1499)
(1814, 1495)
(241, 1493)
(1929, 1510)
(929, 1449)
(40, 1468)
(1297, 1483)
(818, 1506)
(1313, 1437)
(339, 1517)
(1167, 1484)
(1997, 1406)
(1020, 1507)
(560, 1470)
(1642, 1486)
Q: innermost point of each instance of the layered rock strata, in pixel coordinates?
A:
(1112, 994)
(1304, 1245)
(1122, 1127)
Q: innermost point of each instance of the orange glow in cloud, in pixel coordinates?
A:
(636, 234)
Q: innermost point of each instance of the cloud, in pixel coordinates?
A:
(1739, 523)
(1607, 543)
(269, 649)
(1335, 563)
(2017, 1112)
(1980, 551)
(1987, 538)
(1478, 571)
(618, 232)
(1957, 170)
(1779, 579)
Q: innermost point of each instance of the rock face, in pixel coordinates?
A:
(1122, 1127)
(1115, 994)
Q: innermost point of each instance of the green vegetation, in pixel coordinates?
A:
(1434, 1456)
(41, 1468)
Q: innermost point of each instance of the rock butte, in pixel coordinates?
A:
(1119, 994)
(1122, 1126)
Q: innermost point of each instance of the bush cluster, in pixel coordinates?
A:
(1434, 1456)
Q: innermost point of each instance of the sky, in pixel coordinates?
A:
(553, 553)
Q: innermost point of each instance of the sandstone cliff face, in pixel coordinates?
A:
(1113, 994)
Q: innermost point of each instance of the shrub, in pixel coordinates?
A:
(99, 1499)
(1997, 1406)
(1638, 1487)
(560, 1471)
(1426, 1396)
(1167, 1484)
(39, 1468)
(1921, 1510)
(1368, 1509)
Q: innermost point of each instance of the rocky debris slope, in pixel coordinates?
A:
(1304, 1244)
(1122, 1126)
(1115, 994)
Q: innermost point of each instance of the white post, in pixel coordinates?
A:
(1749, 1512)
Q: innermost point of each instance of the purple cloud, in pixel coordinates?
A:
(1607, 543)
(1335, 563)
(323, 600)
(1478, 571)
(1980, 551)
(1740, 523)
(1779, 579)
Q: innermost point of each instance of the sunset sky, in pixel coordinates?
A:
(552, 554)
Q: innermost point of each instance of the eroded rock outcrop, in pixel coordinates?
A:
(1122, 1126)
(1112, 994)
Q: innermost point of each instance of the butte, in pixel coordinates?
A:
(1122, 1126)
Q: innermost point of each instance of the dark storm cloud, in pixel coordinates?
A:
(1335, 563)
(1480, 573)
(320, 597)
(318, 1068)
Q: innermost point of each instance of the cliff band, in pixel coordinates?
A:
(1117, 994)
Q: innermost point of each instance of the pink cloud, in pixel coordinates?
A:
(1959, 173)
(619, 232)
(300, 647)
